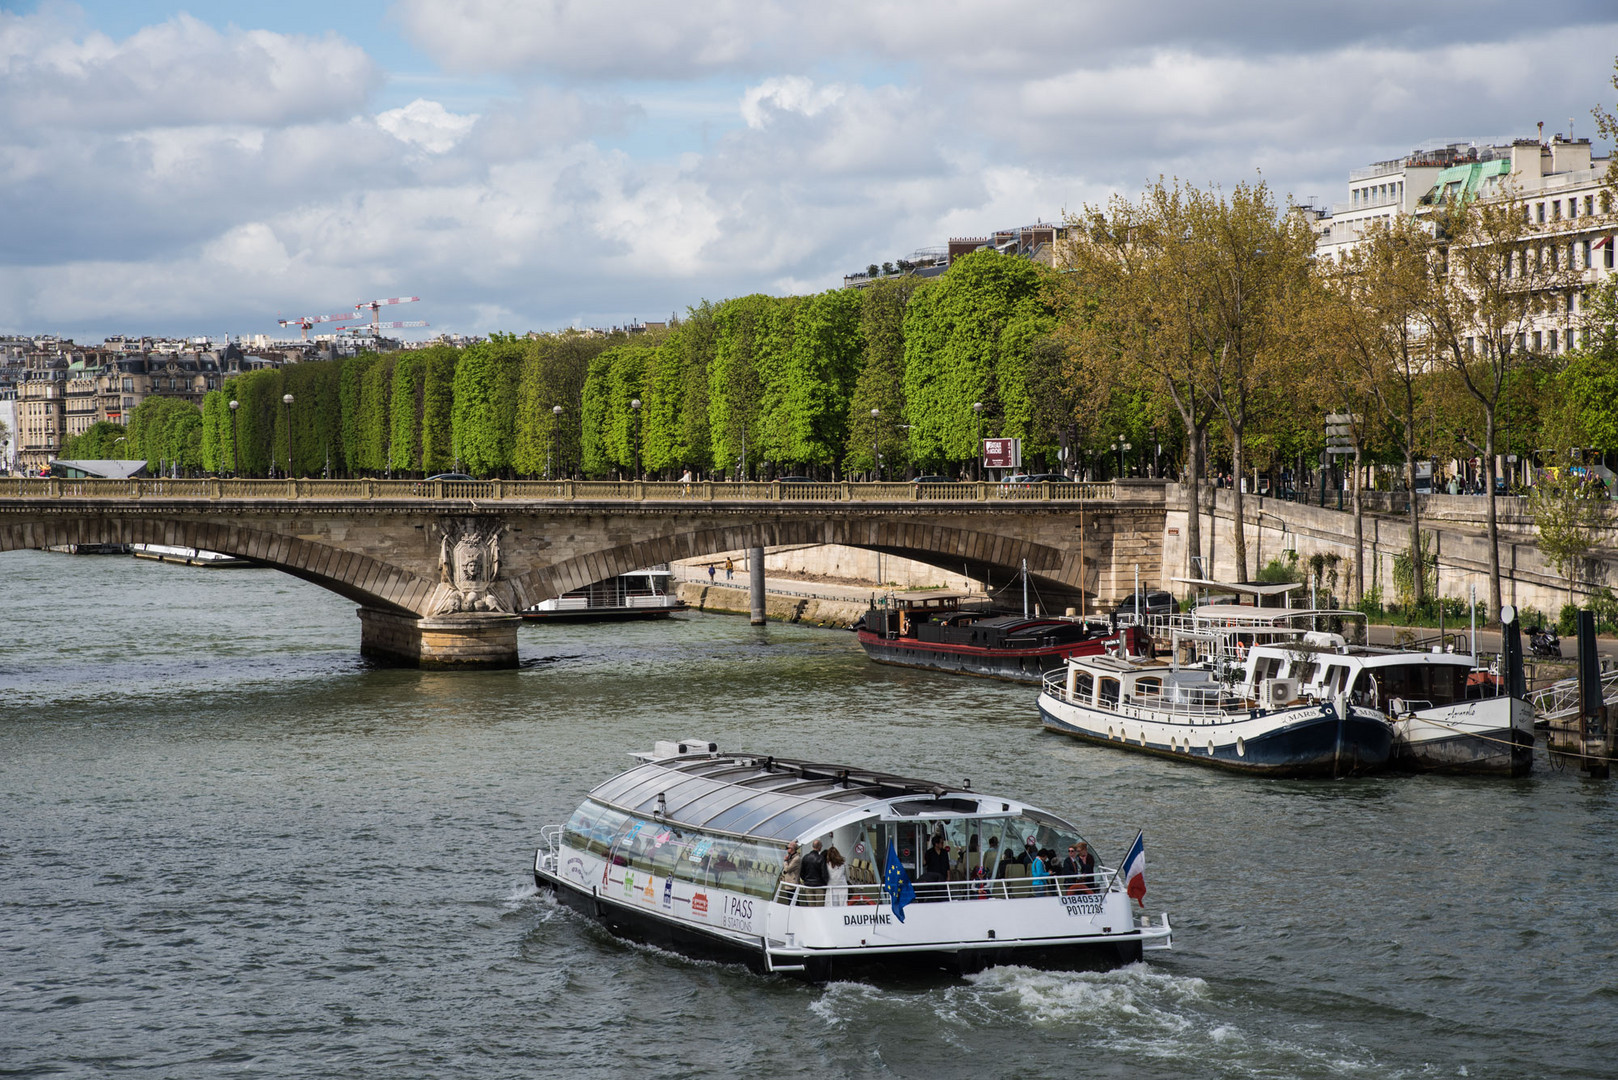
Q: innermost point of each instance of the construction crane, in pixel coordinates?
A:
(372, 328)
(304, 322)
(373, 306)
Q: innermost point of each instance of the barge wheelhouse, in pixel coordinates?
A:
(686, 851)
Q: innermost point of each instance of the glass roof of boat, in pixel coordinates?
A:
(769, 798)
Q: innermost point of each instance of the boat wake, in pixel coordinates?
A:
(1162, 1021)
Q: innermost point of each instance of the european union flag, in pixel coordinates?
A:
(897, 883)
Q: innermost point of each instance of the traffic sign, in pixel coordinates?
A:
(1340, 433)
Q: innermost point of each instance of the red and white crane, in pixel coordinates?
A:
(374, 306)
(304, 322)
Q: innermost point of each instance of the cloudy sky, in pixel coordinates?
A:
(202, 168)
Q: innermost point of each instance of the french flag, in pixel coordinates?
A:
(1134, 870)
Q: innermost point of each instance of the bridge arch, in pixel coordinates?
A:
(979, 552)
(367, 581)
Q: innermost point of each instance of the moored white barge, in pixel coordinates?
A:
(686, 851)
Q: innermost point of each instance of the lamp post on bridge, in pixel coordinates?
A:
(286, 415)
(977, 439)
(876, 451)
(634, 408)
(550, 453)
(235, 444)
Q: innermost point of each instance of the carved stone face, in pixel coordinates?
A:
(470, 568)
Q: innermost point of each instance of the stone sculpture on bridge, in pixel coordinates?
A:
(469, 566)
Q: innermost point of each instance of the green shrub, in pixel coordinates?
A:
(1567, 623)
(1605, 608)
(1281, 571)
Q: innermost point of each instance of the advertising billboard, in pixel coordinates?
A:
(1002, 453)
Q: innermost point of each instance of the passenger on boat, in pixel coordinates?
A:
(1080, 867)
(837, 878)
(935, 864)
(791, 872)
(1036, 871)
(814, 875)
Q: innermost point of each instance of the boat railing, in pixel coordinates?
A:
(1182, 701)
(550, 838)
(985, 888)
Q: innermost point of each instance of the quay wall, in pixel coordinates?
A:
(1455, 528)
(780, 607)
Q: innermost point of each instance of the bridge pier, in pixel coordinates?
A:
(755, 581)
(462, 642)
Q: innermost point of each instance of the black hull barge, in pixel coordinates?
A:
(687, 851)
(1018, 648)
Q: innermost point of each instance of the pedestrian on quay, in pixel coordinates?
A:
(710, 573)
(730, 568)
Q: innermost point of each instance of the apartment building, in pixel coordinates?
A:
(1567, 206)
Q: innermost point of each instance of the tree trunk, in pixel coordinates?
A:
(1237, 525)
(1359, 532)
(1191, 481)
(1418, 579)
(1494, 523)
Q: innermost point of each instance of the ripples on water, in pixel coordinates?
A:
(232, 847)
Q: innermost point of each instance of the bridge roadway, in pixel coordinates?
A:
(440, 569)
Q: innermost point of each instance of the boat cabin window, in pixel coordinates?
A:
(593, 828)
(659, 849)
(1084, 687)
(1336, 679)
(979, 848)
(1434, 683)
(1148, 686)
(1304, 672)
(1267, 667)
(1109, 691)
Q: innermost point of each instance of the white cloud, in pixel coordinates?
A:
(426, 124)
(177, 72)
(789, 93)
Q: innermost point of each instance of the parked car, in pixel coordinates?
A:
(794, 480)
(934, 480)
(448, 476)
(1147, 602)
(1048, 478)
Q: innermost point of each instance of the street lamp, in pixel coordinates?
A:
(235, 445)
(634, 406)
(556, 411)
(876, 452)
(286, 415)
(977, 437)
(1118, 445)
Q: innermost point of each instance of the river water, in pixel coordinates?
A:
(230, 847)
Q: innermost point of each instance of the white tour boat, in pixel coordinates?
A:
(686, 851)
(643, 594)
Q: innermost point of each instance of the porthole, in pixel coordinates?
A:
(1241, 747)
(1210, 748)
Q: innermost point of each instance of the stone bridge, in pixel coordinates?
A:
(440, 569)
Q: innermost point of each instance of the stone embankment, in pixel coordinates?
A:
(820, 585)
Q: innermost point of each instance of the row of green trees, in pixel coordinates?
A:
(756, 385)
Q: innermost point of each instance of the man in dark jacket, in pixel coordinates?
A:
(815, 877)
(1080, 866)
